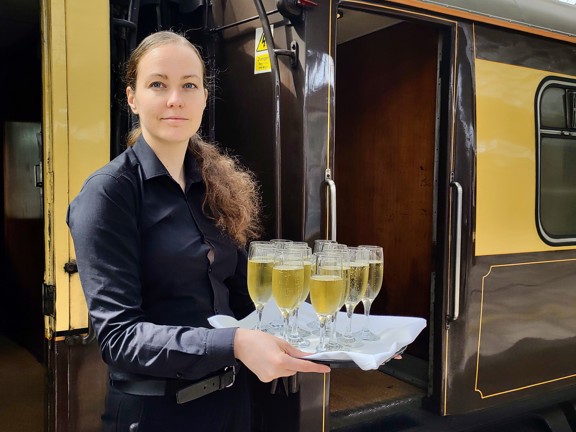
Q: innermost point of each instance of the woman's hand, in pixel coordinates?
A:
(270, 357)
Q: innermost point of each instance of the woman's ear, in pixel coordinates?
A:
(131, 101)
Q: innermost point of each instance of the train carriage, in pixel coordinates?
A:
(443, 131)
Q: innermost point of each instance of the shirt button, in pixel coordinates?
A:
(209, 269)
(179, 375)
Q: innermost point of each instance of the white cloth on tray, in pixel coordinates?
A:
(396, 332)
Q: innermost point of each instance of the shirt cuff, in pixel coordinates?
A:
(220, 346)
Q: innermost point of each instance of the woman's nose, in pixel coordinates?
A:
(175, 99)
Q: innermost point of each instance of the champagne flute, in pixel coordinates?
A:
(325, 290)
(359, 258)
(342, 250)
(375, 276)
(319, 244)
(281, 243)
(296, 334)
(287, 283)
(276, 325)
(260, 264)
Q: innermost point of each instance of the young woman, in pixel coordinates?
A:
(159, 234)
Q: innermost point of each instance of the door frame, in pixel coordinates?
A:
(76, 135)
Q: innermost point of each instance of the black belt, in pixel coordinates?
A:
(184, 392)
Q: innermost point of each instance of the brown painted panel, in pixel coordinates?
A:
(88, 381)
(527, 333)
(384, 163)
(518, 340)
(77, 389)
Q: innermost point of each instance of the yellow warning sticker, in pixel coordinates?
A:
(261, 57)
(261, 44)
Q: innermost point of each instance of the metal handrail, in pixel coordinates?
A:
(458, 253)
(332, 188)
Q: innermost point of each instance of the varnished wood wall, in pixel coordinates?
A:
(384, 157)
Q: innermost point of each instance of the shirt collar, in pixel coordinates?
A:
(153, 167)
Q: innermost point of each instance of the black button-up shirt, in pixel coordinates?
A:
(153, 268)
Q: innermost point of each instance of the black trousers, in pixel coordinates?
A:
(226, 410)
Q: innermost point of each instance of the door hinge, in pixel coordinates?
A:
(49, 300)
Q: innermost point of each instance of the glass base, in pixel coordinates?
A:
(264, 328)
(275, 327)
(304, 333)
(366, 335)
(334, 346)
(349, 341)
(314, 326)
(298, 342)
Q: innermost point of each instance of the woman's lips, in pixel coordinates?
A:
(174, 119)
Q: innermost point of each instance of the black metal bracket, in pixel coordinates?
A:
(292, 9)
(86, 339)
(292, 53)
(49, 300)
(71, 267)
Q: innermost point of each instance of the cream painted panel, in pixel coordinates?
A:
(506, 159)
(76, 126)
(88, 71)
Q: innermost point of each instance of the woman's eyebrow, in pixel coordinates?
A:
(164, 76)
(190, 76)
(158, 75)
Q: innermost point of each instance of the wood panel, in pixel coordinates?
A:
(76, 387)
(384, 157)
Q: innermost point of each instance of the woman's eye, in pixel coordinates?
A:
(190, 86)
(156, 84)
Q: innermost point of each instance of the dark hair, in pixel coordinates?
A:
(232, 196)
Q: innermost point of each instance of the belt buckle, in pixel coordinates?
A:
(226, 369)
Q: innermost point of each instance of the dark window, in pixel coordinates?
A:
(556, 161)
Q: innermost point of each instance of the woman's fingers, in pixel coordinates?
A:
(307, 366)
(270, 357)
(299, 365)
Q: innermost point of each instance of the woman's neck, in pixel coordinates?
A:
(172, 157)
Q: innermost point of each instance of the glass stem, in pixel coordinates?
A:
(286, 318)
(333, 327)
(294, 331)
(349, 311)
(322, 343)
(259, 310)
(367, 303)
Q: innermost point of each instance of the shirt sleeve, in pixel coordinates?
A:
(103, 220)
(240, 301)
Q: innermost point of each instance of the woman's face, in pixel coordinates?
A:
(169, 97)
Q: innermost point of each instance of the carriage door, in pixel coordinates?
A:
(76, 136)
(403, 170)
